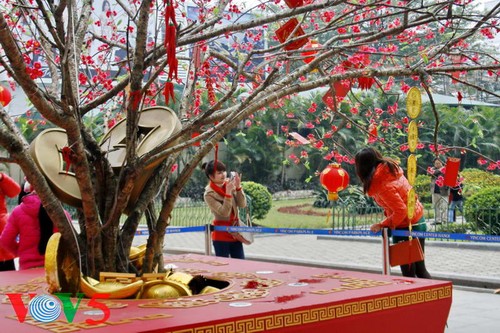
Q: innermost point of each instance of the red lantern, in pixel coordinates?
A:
(5, 96)
(334, 179)
(311, 47)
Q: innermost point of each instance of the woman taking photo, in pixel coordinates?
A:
(383, 180)
(224, 196)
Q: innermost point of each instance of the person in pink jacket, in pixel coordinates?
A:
(8, 188)
(383, 180)
(27, 232)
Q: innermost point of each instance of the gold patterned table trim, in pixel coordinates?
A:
(282, 320)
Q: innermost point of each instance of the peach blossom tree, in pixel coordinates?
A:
(215, 64)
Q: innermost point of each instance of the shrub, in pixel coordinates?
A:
(260, 199)
(352, 196)
(482, 208)
(475, 180)
(423, 188)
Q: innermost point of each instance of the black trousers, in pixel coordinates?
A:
(7, 265)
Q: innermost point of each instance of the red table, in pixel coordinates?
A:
(283, 298)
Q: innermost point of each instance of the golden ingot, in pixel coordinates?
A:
(411, 169)
(62, 272)
(413, 102)
(51, 273)
(159, 289)
(137, 254)
(115, 290)
(181, 277)
(412, 200)
(412, 136)
(209, 290)
(182, 288)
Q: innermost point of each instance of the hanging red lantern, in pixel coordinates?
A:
(5, 96)
(334, 179)
(310, 47)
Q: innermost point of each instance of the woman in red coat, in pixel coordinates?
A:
(28, 230)
(8, 188)
(383, 180)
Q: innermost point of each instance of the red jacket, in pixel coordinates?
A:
(8, 188)
(391, 193)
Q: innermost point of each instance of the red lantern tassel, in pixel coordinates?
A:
(135, 98)
(67, 155)
(168, 92)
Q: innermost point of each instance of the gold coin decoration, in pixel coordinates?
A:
(411, 169)
(412, 136)
(414, 102)
(412, 200)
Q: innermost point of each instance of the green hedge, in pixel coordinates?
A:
(476, 180)
(260, 199)
(482, 208)
(423, 188)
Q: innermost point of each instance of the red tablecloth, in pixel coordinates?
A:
(281, 298)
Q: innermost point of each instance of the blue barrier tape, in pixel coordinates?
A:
(304, 231)
(172, 230)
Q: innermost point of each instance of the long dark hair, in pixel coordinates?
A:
(46, 229)
(367, 160)
(210, 168)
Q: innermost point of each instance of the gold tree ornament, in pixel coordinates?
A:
(62, 271)
(414, 102)
(411, 169)
(412, 200)
(412, 136)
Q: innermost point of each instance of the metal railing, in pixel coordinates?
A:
(355, 217)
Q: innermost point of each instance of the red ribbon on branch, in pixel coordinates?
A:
(170, 46)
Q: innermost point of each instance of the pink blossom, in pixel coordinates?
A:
(309, 125)
(269, 132)
(319, 144)
(481, 161)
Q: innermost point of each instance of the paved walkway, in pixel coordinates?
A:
(472, 267)
(475, 265)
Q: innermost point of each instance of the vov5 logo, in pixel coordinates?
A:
(47, 308)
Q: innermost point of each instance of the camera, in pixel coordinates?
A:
(232, 174)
